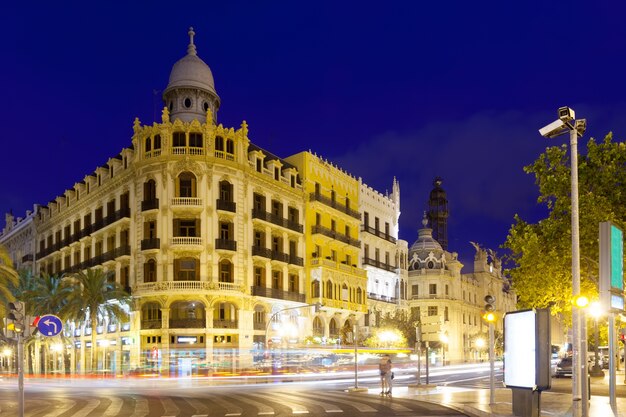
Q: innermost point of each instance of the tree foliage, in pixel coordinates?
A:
(540, 253)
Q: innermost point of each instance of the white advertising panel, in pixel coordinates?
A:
(520, 350)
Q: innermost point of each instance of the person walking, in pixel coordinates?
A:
(384, 366)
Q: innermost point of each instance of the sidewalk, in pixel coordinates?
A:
(475, 402)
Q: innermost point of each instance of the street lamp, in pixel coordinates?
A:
(595, 311)
(564, 124)
(480, 344)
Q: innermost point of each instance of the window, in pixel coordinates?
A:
(150, 230)
(186, 185)
(276, 173)
(318, 219)
(277, 208)
(149, 271)
(432, 311)
(277, 244)
(178, 139)
(230, 146)
(277, 280)
(151, 311)
(376, 224)
(415, 290)
(149, 190)
(186, 269)
(445, 314)
(148, 145)
(259, 165)
(259, 239)
(293, 215)
(366, 219)
(293, 283)
(432, 289)
(219, 143)
(157, 141)
(226, 271)
(447, 290)
(225, 230)
(259, 202)
(195, 140)
(186, 228)
(333, 225)
(226, 191)
(333, 255)
(259, 276)
(366, 251)
(347, 230)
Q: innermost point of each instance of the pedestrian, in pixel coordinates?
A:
(384, 366)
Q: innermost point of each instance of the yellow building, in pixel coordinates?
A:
(334, 277)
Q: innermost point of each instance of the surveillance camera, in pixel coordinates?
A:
(554, 129)
(580, 126)
(566, 114)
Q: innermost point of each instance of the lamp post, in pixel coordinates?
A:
(566, 123)
(594, 310)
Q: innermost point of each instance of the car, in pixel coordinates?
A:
(564, 367)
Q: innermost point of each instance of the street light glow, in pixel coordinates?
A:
(595, 309)
(480, 343)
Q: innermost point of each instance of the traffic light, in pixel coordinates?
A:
(16, 315)
(489, 303)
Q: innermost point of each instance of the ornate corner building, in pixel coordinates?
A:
(222, 244)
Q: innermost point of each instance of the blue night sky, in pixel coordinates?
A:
(410, 89)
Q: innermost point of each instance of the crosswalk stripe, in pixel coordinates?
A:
(169, 407)
(361, 407)
(329, 408)
(263, 409)
(65, 405)
(295, 408)
(91, 405)
(201, 409)
(231, 409)
(114, 408)
(141, 408)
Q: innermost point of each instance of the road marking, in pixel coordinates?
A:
(232, 414)
(263, 409)
(329, 408)
(141, 407)
(91, 405)
(114, 408)
(295, 408)
(63, 408)
(363, 408)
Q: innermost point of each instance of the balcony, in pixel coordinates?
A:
(187, 150)
(334, 204)
(280, 256)
(384, 298)
(147, 244)
(277, 220)
(226, 205)
(334, 265)
(151, 324)
(187, 201)
(259, 326)
(187, 240)
(333, 234)
(225, 324)
(278, 294)
(27, 258)
(379, 264)
(150, 204)
(187, 323)
(378, 233)
(260, 251)
(296, 260)
(224, 155)
(226, 244)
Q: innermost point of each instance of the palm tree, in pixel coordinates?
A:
(8, 278)
(94, 294)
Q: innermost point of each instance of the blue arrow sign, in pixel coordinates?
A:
(50, 325)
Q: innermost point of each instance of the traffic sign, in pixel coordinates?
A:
(50, 325)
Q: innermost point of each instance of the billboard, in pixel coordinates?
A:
(527, 349)
(611, 267)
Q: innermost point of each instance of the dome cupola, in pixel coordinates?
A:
(426, 252)
(190, 93)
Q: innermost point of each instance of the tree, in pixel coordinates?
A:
(93, 295)
(8, 278)
(401, 322)
(540, 253)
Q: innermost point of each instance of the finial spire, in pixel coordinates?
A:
(425, 220)
(191, 49)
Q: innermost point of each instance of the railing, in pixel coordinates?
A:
(152, 154)
(378, 233)
(329, 263)
(259, 326)
(277, 294)
(186, 201)
(226, 244)
(150, 244)
(260, 251)
(334, 204)
(379, 264)
(151, 324)
(150, 204)
(225, 324)
(27, 258)
(296, 260)
(225, 155)
(187, 323)
(226, 205)
(335, 235)
(280, 256)
(277, 220)
(380, 297)
(186, 240)
(186, 286)
(228, 286)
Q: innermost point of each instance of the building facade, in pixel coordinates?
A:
(224, 247)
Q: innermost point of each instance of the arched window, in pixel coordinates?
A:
(315, 289)
(179, 140)
(226, 191)
(149, 271)
(226, 271)
(359, 296)
(277, 280)
(329, 289)
(318, 327)
(225, 315)
(157, 141)
(333, 329)
(151, 311)
(344, 292)
(187, 314)
(186, 269)
(259, 318)
(186, 185)
(148, 144)
(230, 146)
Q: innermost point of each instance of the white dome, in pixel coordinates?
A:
(425, 243)
(192, 72)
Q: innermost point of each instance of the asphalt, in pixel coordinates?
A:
(475, 402)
